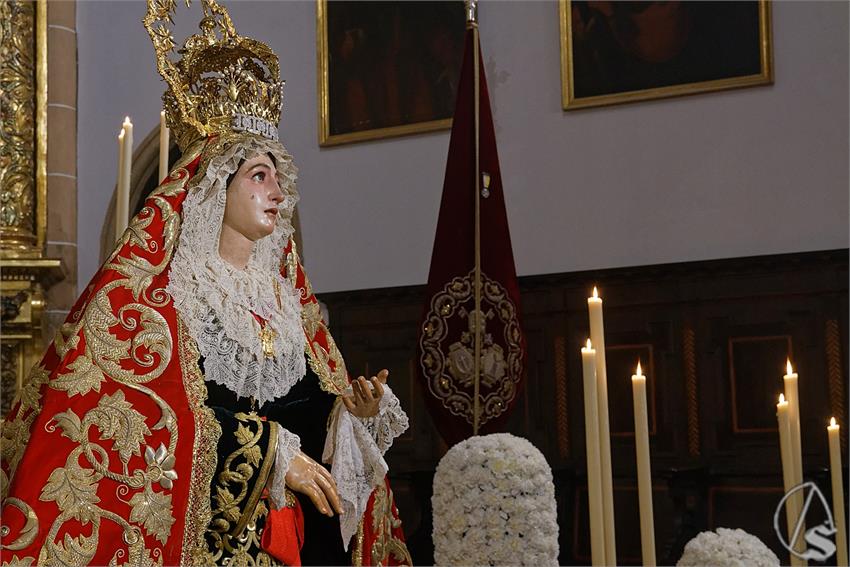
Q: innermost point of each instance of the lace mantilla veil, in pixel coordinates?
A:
(216, 300)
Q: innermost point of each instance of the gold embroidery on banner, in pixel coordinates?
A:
(449, 378)
(207, 433)
(384, 521)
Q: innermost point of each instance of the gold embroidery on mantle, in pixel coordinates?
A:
(327, 363)
(384, 521)
(234, 519)
(207, 433)
(89, 354)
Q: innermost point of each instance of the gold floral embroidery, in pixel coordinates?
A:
(235, 516)
(384, 521)
(99, 355)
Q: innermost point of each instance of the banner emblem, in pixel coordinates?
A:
(450, 328)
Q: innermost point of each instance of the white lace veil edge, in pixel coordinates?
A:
(216, 300)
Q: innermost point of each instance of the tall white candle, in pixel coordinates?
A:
(119, 228)
(122, 204)
(837, 492)
(163, 147)
(597, 335)
(792, 510)
(793, 397)
(591, 432)
(644, 470)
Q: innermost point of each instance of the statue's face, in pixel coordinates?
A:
(252, 199)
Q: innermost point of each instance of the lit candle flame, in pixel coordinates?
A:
(589, 345)
(639, 373)
(595, 293)
(121, 134)
(127, 120)
(832, 422)
(788, 367)
(781, 398)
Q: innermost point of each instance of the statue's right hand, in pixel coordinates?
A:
(312, 479)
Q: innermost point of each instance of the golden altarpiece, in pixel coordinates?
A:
(26, 269)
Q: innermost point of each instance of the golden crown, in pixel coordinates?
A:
(223, 82)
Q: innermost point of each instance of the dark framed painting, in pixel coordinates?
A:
(617, 52)
(387, 68)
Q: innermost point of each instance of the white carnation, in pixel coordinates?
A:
(494, 504)
(727, 548)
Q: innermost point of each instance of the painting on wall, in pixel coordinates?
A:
(617, 52)
(387, 68)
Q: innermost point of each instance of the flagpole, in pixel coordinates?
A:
(472, 23)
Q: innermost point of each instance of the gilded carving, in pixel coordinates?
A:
(17, 125)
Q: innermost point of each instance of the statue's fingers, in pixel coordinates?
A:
(383, 375)
(357, 387)
(367, 390)
(379, 387)
(318, 497)
(329, 491)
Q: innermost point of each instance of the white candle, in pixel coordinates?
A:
(644, 474)
(591, 432)
(163, 146)
(792, 510)
(837, 492)
(792, 395)
(119, 228)
(122, 203)
(597, 335)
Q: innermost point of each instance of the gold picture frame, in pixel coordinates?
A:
(586, 80)
(331, 132)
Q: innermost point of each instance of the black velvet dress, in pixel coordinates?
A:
(303, 411)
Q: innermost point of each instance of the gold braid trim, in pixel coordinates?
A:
(207, 433)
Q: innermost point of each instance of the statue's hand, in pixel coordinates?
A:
(366, 398)
(312, 479)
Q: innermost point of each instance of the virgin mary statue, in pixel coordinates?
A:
(182, 411)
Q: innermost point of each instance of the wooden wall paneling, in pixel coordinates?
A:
(689, 371)
(688, 314)
(754, 362)
(750, 508)
(559, 351)
(627, 519)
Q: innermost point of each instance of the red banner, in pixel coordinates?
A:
(447, 335)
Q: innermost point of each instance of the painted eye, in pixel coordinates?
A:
(259, 177)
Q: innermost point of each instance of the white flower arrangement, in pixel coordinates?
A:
(494, 504)
(728, 548)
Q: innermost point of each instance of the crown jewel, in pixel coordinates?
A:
(223, 82)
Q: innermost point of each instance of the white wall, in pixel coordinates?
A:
(754, 171)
